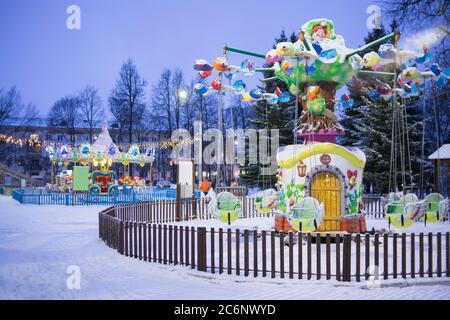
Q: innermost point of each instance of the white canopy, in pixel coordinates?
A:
(104, 139)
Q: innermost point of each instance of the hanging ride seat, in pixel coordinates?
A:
(228, 207)
(306, 215)
(404, 212)
(436, 208)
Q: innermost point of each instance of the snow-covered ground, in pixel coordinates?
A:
(39, 243)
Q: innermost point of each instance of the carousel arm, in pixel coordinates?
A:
(393, 36)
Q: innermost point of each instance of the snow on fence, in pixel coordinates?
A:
(152, 237)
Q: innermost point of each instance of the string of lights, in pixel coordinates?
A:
(36, 142)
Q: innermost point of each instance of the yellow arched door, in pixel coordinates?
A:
(326, 188)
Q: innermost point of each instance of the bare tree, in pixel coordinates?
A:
(128, 94)
(65, 113)
(143, 127)
(178, 88)
(190, 107)
(28, 117)
(120, 114)
(162, 106)
(10, 104)
(91, 108)
(417, 15)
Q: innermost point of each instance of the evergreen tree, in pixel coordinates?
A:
(369, 124)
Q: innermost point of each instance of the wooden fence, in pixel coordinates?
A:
(167, 211)
(149, 232)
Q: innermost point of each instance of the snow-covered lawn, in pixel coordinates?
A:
(39, 243)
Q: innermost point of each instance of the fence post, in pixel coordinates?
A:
(213, 251)
(385, 256)
(238, 268)
(318, 257)
(246, 257)
(255, 253)
(439, 255)
(220, 250)
(178, 203)
(404, 255)
(291, 254)
(338, 257)
(201, 249)
(308, 256)
(447, 253)
(430, 255)
(120, 247)
(281, 255)
(194, 206)
(264, 253)
(229, 251)
(358, 257)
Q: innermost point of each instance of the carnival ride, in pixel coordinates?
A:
(320, 182)
(99, 157)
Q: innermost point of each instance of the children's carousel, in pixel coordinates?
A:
(92, 166)
(320, 183)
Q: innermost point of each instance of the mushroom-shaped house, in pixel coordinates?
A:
(327, 172)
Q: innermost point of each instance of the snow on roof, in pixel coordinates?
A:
(442, 153)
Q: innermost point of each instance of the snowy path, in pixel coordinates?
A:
(38, 243)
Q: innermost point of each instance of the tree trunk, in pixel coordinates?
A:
(327, 121)
(130, 136)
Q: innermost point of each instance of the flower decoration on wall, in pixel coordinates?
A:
(352, 175)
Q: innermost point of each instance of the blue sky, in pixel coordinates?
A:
(46, 61)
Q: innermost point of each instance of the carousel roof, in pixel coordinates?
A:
(290, 155)
(104, 140)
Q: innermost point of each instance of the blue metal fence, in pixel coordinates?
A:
(43, 197)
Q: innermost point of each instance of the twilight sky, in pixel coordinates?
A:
(46, 61)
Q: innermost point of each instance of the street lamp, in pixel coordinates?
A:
(182, 94)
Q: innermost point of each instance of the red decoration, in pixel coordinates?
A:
(278, 92)
(104, 182)
(205, 74)
(352, 175)
(216, 84)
